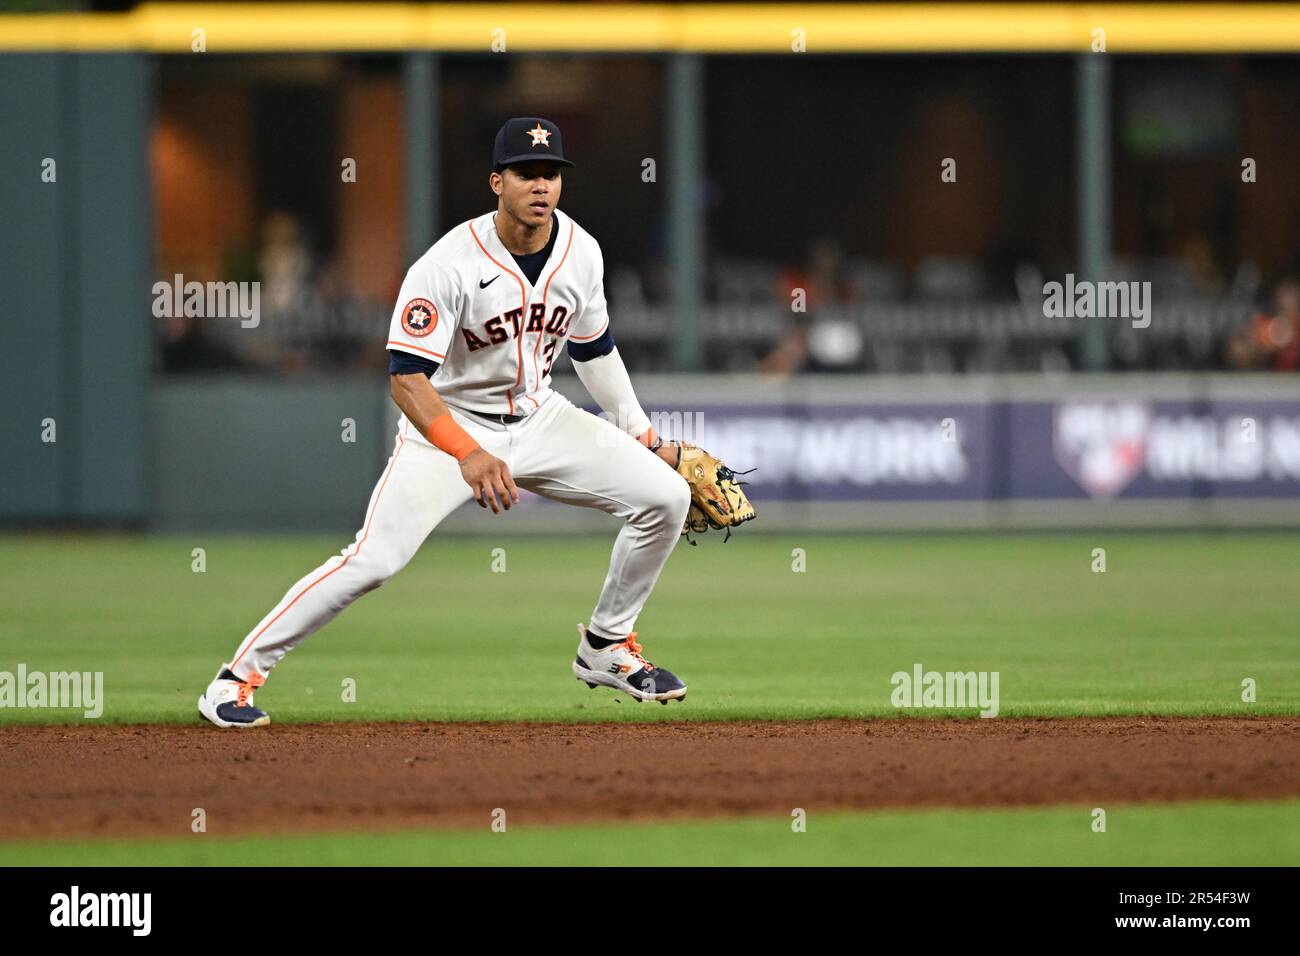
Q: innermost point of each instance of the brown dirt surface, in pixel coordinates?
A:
(135, 781)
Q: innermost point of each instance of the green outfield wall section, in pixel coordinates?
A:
(74, 287)
(236, 453)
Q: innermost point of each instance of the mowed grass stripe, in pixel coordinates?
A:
(1173, 626)
(1187, 834)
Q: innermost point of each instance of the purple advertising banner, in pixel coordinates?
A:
(973, 451)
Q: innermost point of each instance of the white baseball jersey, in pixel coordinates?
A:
(467, 305)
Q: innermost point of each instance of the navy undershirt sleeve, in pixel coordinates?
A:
(586, 351)
(404, 363)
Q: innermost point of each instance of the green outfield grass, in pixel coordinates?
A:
(1189, 834)
(1172, 627)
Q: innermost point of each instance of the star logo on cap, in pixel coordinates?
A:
(541, 137)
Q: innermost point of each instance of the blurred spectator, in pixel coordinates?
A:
(311, 318)
(346, 329)
(284, 263)
(823, 278)
(814, 341)
(1197, 253)
(1271, 339)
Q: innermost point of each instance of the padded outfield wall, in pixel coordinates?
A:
(853, 453)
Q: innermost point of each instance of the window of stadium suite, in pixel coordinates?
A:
(247, 177)
(249, 185)
(1198, 211)
(903, 271)
(846, 202)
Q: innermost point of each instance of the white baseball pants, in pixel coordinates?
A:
(559, 451)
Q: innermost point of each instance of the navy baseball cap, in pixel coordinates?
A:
(525, 138)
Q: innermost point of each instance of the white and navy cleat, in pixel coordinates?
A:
(621, 666)
(228, 701)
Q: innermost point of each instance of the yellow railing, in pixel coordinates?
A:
(709, 28)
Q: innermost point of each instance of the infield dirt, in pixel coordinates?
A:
(138, 780)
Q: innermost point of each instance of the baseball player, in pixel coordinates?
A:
(478, 323)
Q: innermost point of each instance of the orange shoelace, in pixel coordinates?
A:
(247, 687)
(635, 650)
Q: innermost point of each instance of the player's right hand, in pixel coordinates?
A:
(490, 479)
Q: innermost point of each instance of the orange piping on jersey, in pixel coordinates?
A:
(547, 288)
(523, 302)
(545, 291)
(407, 345)
(365, 533)
(588, 338)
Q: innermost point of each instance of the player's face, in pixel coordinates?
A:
(530, 191)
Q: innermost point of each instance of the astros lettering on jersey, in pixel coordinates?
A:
(466, 305)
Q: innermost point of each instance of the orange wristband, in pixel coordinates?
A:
(647, 437)
(444, 433)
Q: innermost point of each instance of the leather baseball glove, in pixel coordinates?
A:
(717, 500)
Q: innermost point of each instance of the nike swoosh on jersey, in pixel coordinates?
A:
(484, 285)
